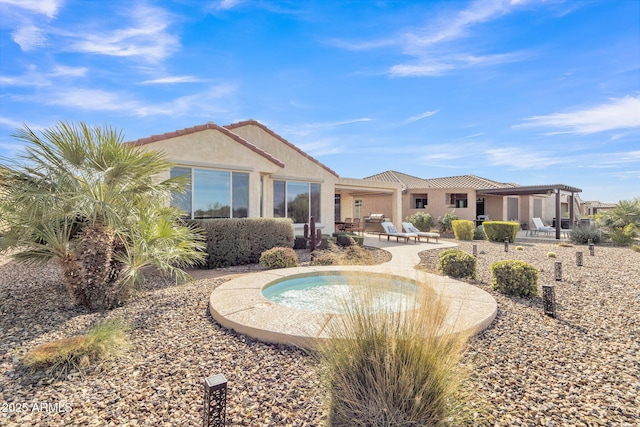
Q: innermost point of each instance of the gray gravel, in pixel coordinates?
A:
(582, 368)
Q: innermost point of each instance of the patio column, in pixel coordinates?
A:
(571, 212)
(558, 219)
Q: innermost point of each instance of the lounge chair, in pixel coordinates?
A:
(390, 231)
(538, 226)
(410, 228)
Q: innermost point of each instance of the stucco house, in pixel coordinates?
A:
(245, 170)
(474, 198)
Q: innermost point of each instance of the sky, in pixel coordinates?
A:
(523, 91)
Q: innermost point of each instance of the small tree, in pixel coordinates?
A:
(83, 198)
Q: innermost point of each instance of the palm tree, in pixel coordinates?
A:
(82, 197)
(625, 212)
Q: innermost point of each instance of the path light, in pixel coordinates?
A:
(506, 244)
(215, 401)
(558, 271)
(475, 251)
(549, 300)
(579, 259)
(592, 248)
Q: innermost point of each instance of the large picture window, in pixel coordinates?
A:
(457, 200)
(296, 200)
(213, 193)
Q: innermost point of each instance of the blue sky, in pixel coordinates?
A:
(524, 91)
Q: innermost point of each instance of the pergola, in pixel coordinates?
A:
(540, 190)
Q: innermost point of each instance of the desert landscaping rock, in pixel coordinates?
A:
(581, 368)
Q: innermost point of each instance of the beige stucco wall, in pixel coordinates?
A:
(298, 167)
(438, 205)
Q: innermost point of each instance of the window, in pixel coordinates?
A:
(296, 200)
(457, 200)
(213, 193)
(421, 201)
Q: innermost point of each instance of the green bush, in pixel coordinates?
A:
(623, 236)
(463, 229)
(478, 233)
(391, 367)
(497, 231)
(300, 243)
(551, 255)
(635, 248)
(423, 221)
(446, 220)
(242, 241)
(515, 278)
(582, 233)
(348, 239)
(458, 264)
(279, 258)
(343, 255)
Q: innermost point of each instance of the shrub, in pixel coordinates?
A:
(349, 255)
(463, 229)
(635, 248)
(515, 278)
(458, 264)
(105, 339)
(497, 231)
(348, 239)
(423, 221)
(391, 367)
(279, 258)
(551, 255)
(623, 236)
(565, 245)
(519, 248)
(242, 240)
(446, 220)
(300, 243)
(478, 233)
(582, 233)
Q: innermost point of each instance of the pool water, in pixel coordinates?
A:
(329, 293)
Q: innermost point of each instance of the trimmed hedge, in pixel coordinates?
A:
(242, 241)
(497, 231)
(457, 264)
(463, 229)
(514, 278)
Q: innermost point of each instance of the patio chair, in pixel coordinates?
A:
(538, 226)
(345, 224)
(354, 226)
(410, 228)
(390, 231)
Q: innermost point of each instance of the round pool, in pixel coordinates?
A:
(331, 292)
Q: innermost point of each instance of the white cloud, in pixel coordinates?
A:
(45, 7)
(306, 129)
(225, 4)
(146, 37)
(420, 116)
(29, 37)
(64, 71)
(172, 80)
(323, 147)
(90, 99)
(202, 104)
(619, 113)
(518, 158)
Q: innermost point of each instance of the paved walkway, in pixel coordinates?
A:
(239, 304)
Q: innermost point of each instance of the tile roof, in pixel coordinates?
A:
(462, 181)
(281, 139)
(200, 128)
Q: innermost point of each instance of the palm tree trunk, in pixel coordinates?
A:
(95, 254)
(73, 277)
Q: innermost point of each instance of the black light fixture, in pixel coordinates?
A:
(579, 259)
(215, 401)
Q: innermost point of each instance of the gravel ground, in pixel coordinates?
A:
(582, 368)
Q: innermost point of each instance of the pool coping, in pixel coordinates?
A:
(239, 304)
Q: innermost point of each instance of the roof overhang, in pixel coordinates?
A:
(528, 190)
